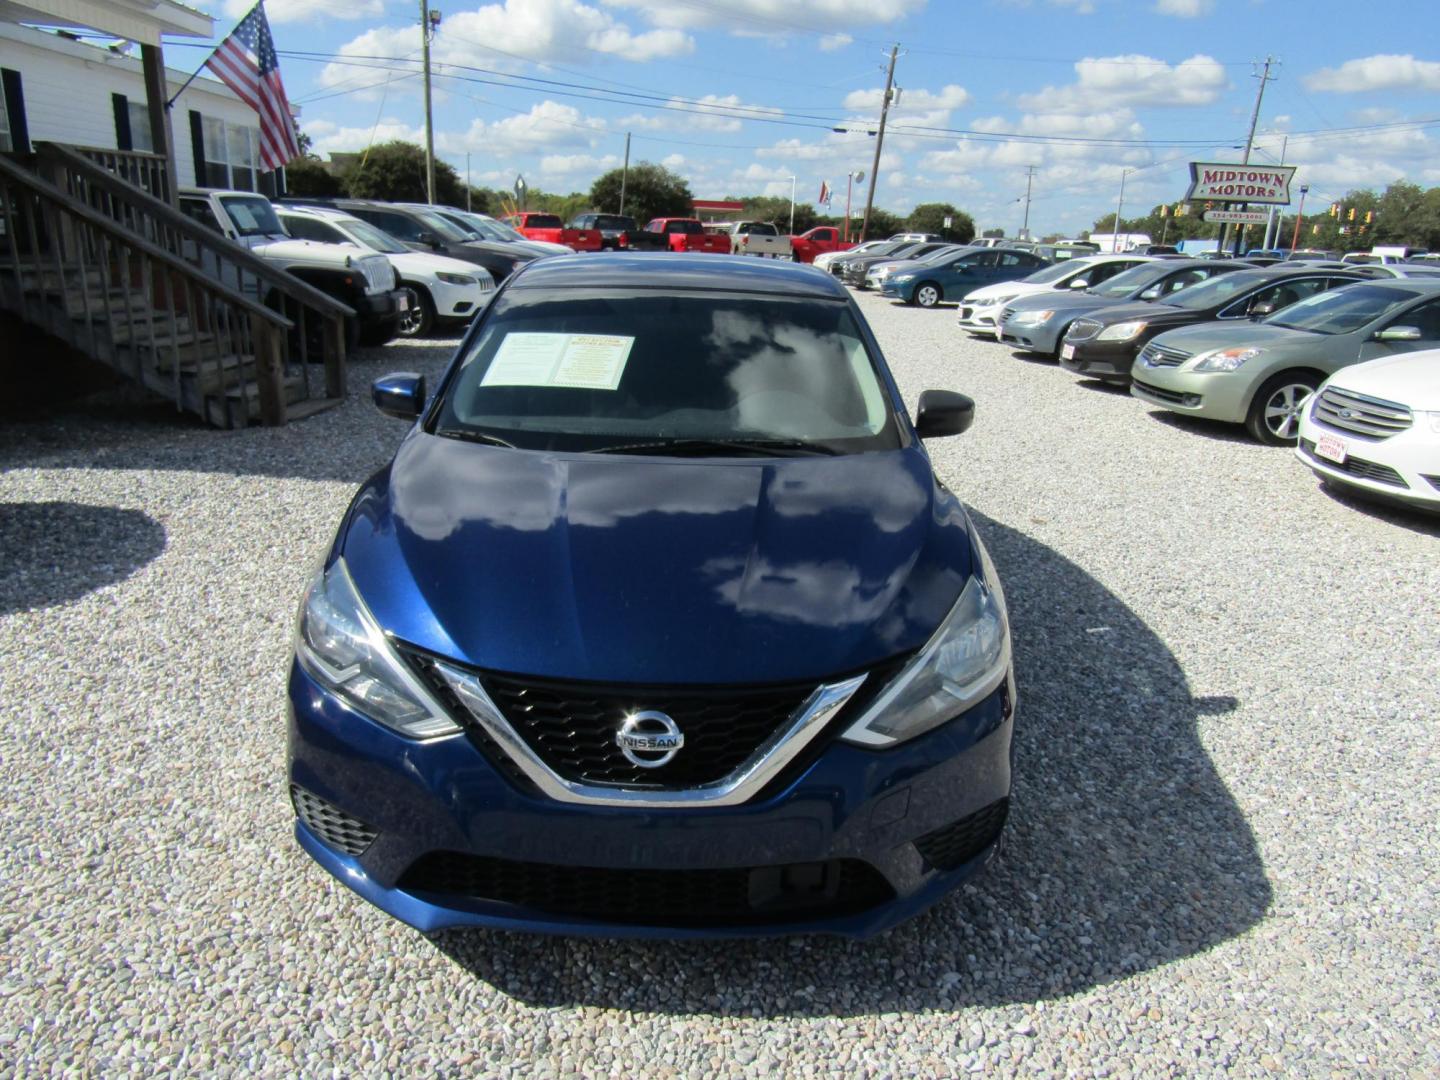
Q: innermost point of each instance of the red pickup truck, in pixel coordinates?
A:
(818, 241)
(688, 234)
(552, 230)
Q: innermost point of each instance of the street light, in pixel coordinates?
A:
(792, 206)
(850, 179)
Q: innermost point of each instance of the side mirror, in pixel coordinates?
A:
(1152, 293)
(943, 412)
(430, 240)
(1261, 309)
(401, 395)
(1399, 333)
(1080, 283)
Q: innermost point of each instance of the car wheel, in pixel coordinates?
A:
(419, 317)
(1059, 342)
(927, 294)
(1274, 417)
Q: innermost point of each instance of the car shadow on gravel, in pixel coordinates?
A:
(1426, 523)
(1125, 851)
(1210, 429)
(56, 552)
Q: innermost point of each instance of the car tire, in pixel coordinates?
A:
(1274, 416)
(1059, 342)
(419, 319)
(927, 294)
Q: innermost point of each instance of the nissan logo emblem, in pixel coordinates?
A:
(649, 739)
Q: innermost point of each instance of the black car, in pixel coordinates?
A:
(890, 249)
(615, 229)
(856, 269)
(1103, 344)
(422, 228)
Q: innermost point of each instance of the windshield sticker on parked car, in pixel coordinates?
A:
(577, 361)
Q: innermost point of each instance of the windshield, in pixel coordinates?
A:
(595, 369)
(611, 221)
(442, 227)
(490, 229)
(1215, 291)
(1341, 310)
(757, 228)
(364, 233)
(944, 254)
(1055, 272)
(252, 215)
(1129, 281)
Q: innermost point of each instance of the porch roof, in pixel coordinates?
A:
(143, 21)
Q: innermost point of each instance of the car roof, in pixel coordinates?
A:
(710, 273)
(327, 212)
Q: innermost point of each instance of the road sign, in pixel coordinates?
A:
(1237, 217)
(1221, 182)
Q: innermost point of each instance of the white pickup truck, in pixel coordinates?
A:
(759, 238)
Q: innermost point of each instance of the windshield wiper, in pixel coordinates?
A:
(722, 447)
(468, 435)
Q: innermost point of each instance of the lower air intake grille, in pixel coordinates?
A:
(331, 824)
(725, 897)
(956, 844)
(1370, 470)
(1174, 397)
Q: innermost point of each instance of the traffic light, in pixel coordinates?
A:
(1335, 209)
(1369, 216)
(1164, 211)
(1352, 213)
(1314, 230)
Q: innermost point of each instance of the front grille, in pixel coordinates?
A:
(1373, 418)
(1433, 481)
(1083, 330)
(1370, 470)
(953, 845)
(331, 824)
(572, 726)
(1154, 355)
(1005, 316)
(1172, 396)
(643, 897)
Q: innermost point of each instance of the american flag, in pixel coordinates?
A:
(824, 193)
(246, 62)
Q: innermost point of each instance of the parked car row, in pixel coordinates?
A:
(1340, 361)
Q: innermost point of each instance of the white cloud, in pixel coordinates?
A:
(1115, 81)
(548, 125)
(329, 137)
(540, 31)
(1383, 72)
(709, 113)
(283, 11)
(911, 101)
(773, 18)
(832, 42)
(1184, 9)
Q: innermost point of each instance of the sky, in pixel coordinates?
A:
(738, 96)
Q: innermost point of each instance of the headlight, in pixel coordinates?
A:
(1225, 359)
(1031, 318)
(340, 644)
(962, 664)
(990, 301)
(456, 279)
(1121, 331)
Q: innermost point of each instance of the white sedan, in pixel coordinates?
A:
(1375, 428)
(441, 289)
(980, 308)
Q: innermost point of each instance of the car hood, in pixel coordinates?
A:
(1059, 301)
(1156, 314)
(417, 262)
(1211, 335)
(1015, 289)
(626, 569)
(1411, 379)
(313, 251)
(544, 247)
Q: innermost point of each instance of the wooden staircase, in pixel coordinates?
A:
(130, 282)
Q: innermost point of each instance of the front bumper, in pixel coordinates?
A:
(1403, 468)
(1219, 395)
(1041, 338)
(978, 318)
(898, 290)
(382, 307)
(450, 800)
(1107, 360)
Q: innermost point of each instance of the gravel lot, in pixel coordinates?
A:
(1223, 854)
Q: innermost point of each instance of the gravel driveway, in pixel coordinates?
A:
(1222, 855)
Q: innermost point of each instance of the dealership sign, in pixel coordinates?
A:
(1228, 182)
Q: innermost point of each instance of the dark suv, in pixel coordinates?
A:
(615, 229)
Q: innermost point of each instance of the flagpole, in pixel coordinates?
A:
(196, 74)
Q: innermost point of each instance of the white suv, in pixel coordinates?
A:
(439, 289)
(1375, 428)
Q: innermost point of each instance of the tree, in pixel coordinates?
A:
(882, 224)
(651, 191)
(307, 176)
(930, 218)
(395, 172)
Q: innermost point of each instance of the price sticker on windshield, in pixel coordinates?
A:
(571, 361)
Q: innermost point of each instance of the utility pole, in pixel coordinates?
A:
(1119, 205)
(467, 181)
(624, 174)
(1272, 224)
(1264, 77)
(429, 120)
(1299, 217)
(792, 205)
(1029, 179)
(879, 139)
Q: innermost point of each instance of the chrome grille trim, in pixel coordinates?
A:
(1083, 330)
(748, 779)
(1156, 355)
(1360, 414)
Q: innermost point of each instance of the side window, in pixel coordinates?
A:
(397, 225)
(1284, 293)
(199, 210)
(303, 228)
(1425, 318)
(1182, 280)
(1016, 258)
(1104, 271)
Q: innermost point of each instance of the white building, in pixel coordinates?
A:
(56, 86)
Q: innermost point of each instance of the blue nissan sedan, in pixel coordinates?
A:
(657, 624)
